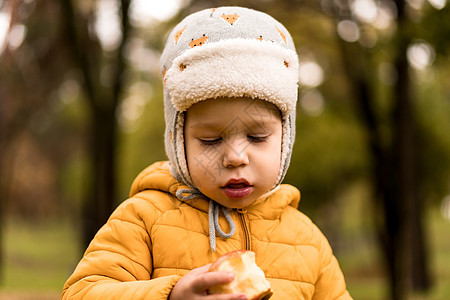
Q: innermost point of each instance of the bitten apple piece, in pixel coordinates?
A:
(248, 277)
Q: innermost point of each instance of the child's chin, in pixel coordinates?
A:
(241, 203)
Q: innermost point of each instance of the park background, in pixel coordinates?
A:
(81, 114)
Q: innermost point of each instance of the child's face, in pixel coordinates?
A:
(233, 149)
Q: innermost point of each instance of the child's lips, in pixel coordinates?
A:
(237, 188)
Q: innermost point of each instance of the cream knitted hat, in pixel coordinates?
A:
(227, 52)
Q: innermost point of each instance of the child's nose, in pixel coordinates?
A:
(235, 154)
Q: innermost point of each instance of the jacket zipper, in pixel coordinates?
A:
(242, 213)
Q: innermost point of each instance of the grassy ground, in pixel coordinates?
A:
(364, 272)
(40, 257)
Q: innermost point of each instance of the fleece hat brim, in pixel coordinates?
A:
(235, 68)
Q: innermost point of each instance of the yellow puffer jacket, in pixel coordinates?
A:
(152, 239)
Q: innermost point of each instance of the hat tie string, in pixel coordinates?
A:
(213, 216)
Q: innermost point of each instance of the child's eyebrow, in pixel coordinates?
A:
(204, 125)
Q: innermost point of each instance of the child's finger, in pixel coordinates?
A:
(209, 279)
(202, 269)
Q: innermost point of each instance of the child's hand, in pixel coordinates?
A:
(194, 285)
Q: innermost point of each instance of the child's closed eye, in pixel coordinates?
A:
(210, 141)
(257, 138)
(218, 140)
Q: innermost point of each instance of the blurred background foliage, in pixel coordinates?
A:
(81, 113)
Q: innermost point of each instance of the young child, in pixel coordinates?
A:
(230, 78)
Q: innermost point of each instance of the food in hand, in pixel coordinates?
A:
(249, 279)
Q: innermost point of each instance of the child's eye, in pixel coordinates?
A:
(210, 141)
(257, 139)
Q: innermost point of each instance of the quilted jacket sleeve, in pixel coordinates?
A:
(331, 283)
(118, 262)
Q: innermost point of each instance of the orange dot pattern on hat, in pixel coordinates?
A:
(283, 36)
(198, 42)
(230, 18)
(182, 67)
(178, 34)
(164, 75)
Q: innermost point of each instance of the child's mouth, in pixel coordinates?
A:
(237, 188)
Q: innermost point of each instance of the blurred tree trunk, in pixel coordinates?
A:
(394, 162)
(405, 148)
(103, 102)
(356, 64)
(22, 92)
(8, 131)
